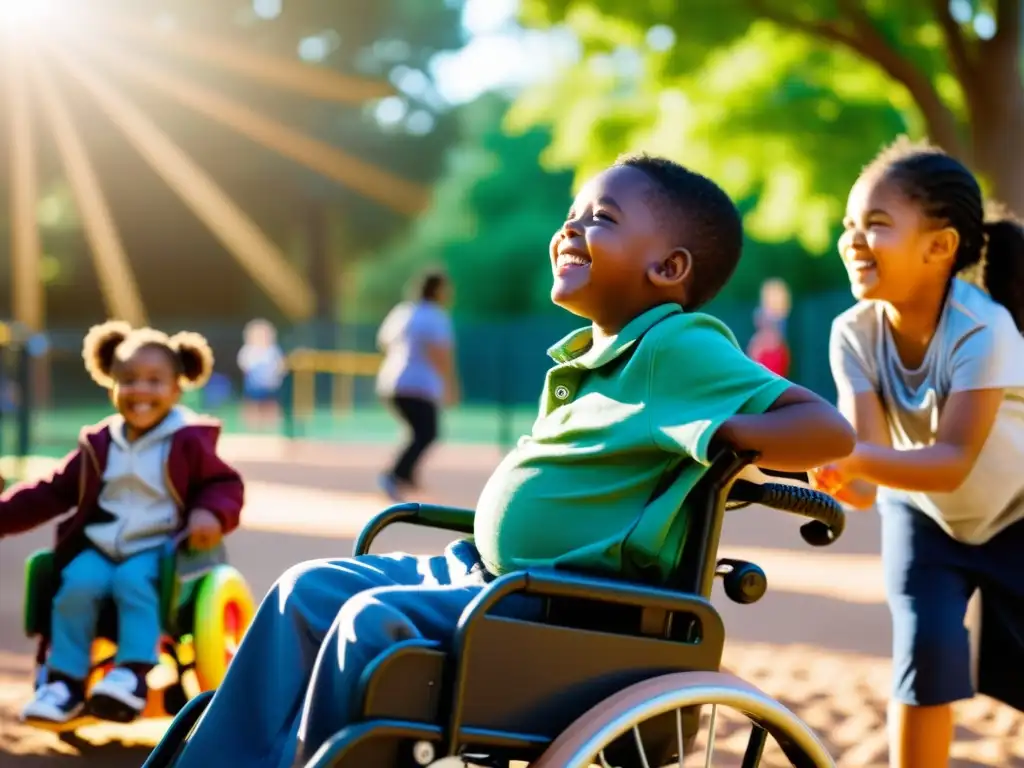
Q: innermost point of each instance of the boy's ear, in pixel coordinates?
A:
(672, 270)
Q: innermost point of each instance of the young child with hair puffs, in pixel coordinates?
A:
(135, 481)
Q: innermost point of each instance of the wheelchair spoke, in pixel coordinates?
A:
(680, 740)
(640, 747)
(709, 755)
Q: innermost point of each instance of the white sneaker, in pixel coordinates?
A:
(120, 696)
(53, 703)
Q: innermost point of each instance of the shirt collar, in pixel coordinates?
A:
(579, 350)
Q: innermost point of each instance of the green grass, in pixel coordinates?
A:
(55, 431)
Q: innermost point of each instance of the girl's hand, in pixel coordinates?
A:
(204, 529)
(826, 479)
(845, 487)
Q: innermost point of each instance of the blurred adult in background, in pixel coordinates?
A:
(768, 344)
(263, 370)
(417, 377)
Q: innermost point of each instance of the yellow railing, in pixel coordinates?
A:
(344, 366)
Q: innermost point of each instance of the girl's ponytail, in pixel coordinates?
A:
(1004, 265)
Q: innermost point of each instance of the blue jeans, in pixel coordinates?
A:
(293, 683)
(929, 579)
(86, 582)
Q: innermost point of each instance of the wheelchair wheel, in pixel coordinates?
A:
(222, 611)
(652, 723)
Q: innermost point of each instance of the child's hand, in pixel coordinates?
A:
(827, 479)
(204, 529)
(833, 480)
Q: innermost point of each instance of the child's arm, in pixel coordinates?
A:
(798, 431)
(218, 487)
(942, 467)
(983, 366)
(706, 392)
(29, 505)
(863, 410)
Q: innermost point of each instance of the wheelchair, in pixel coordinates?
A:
(205, 608)
(616, 674)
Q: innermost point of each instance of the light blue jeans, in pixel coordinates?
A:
(86, 582)
(292, 684)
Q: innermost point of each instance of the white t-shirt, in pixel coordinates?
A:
(263, 366)
(976, 346)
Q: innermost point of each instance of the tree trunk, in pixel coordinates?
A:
(994, 92)
(997, 132)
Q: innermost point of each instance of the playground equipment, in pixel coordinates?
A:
(305, 365)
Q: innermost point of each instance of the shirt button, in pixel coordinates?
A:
(561, 392)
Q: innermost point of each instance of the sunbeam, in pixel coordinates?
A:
(117, 281)
(264, 261)
(26, 248)
(276, 71)
(365, 178)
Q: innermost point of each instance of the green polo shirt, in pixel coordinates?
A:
(614, 416)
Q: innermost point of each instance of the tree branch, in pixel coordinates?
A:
(861, 36)
(1008, 21)
(962, 56)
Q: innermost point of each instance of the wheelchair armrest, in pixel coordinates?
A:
(551, 583)
(427, 515)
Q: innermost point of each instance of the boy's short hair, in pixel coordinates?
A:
(701, 217)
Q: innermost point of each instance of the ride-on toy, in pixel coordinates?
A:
(205, 606)
(616, 674)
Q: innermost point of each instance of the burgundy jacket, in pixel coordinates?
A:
(196, 478)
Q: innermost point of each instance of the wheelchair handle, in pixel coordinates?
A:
(826, 514)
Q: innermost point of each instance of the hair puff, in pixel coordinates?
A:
(99, 349)
(193, 350)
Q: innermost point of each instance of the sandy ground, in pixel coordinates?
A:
(817, 642)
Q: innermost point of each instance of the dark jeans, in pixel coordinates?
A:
(420, 415)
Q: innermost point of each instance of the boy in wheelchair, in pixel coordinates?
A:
(137, 479)
(650, 387)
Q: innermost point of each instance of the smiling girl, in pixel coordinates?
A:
(930, 371)
(135, 480)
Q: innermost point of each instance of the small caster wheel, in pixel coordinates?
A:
(744, 582)
(423, 752)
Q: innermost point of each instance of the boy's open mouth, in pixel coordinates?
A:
(141, 409)
(571, 258)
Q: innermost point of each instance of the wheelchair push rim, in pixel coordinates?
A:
(619, 718)
(224, 608)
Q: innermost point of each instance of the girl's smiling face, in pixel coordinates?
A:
(146, 387)
(888, 246)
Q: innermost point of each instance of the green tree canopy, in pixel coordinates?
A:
(785, 101)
